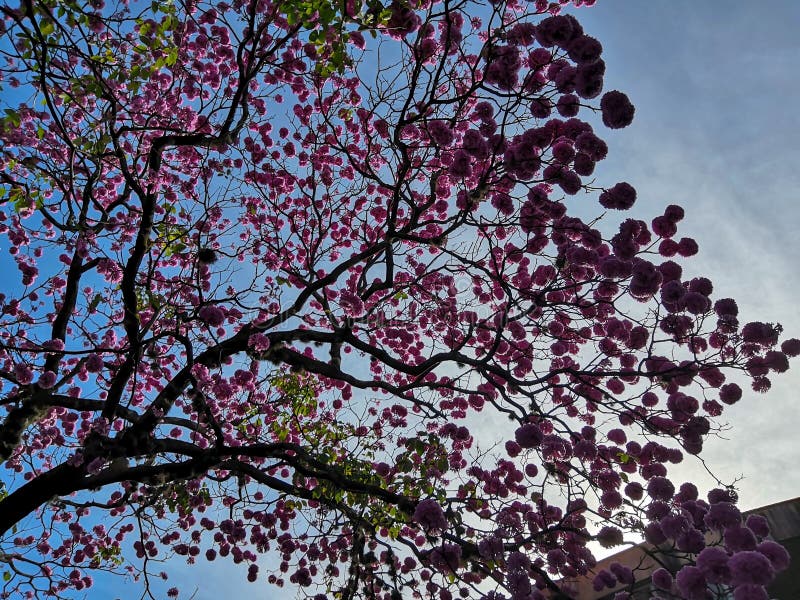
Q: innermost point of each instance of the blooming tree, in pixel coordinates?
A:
(273, 264)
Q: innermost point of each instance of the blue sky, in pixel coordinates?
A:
(715, 131)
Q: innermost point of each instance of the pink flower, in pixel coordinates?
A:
(430, 516)
(791, 347)
(529, 435)
(552, 31)
(352, 304)
(687, 247)
(94, 363)
(23, 374)
(763, 334)
(620, 197)
(475, 144)
(588, 143)
(212, 315)
(259, 342)
(568, 105)
(440, 133)
(461, 165)
(584, 49)
(617, 110)
(725, 307)
(46, 380)
(583, 164)
(730, 393)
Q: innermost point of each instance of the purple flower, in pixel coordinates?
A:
(563, 151)
(760, 333)
(750, 592)
(529, 435)
(603, 580)
(617, 110)
(611, 499)
(776, 361)
(646, 280)
(672, 291)
(719, 495)
(491, 548)
(654, 534)
(691, 583)
(713, 562)
(430, 515)
(692, 541)
(660, 488)
(446, 557)
(608, 537)
(569, 182)
(750, 567)
(759, 525)
(259, 342)
(622, 573)
(722, 515)
(674, 525)
(777, 554)
(662, 579)
(484, 110)
(696, 303)
(739, 538)
(503, 67)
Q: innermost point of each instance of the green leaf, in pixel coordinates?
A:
(6, 576)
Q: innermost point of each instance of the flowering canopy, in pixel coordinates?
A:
(279, 261)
